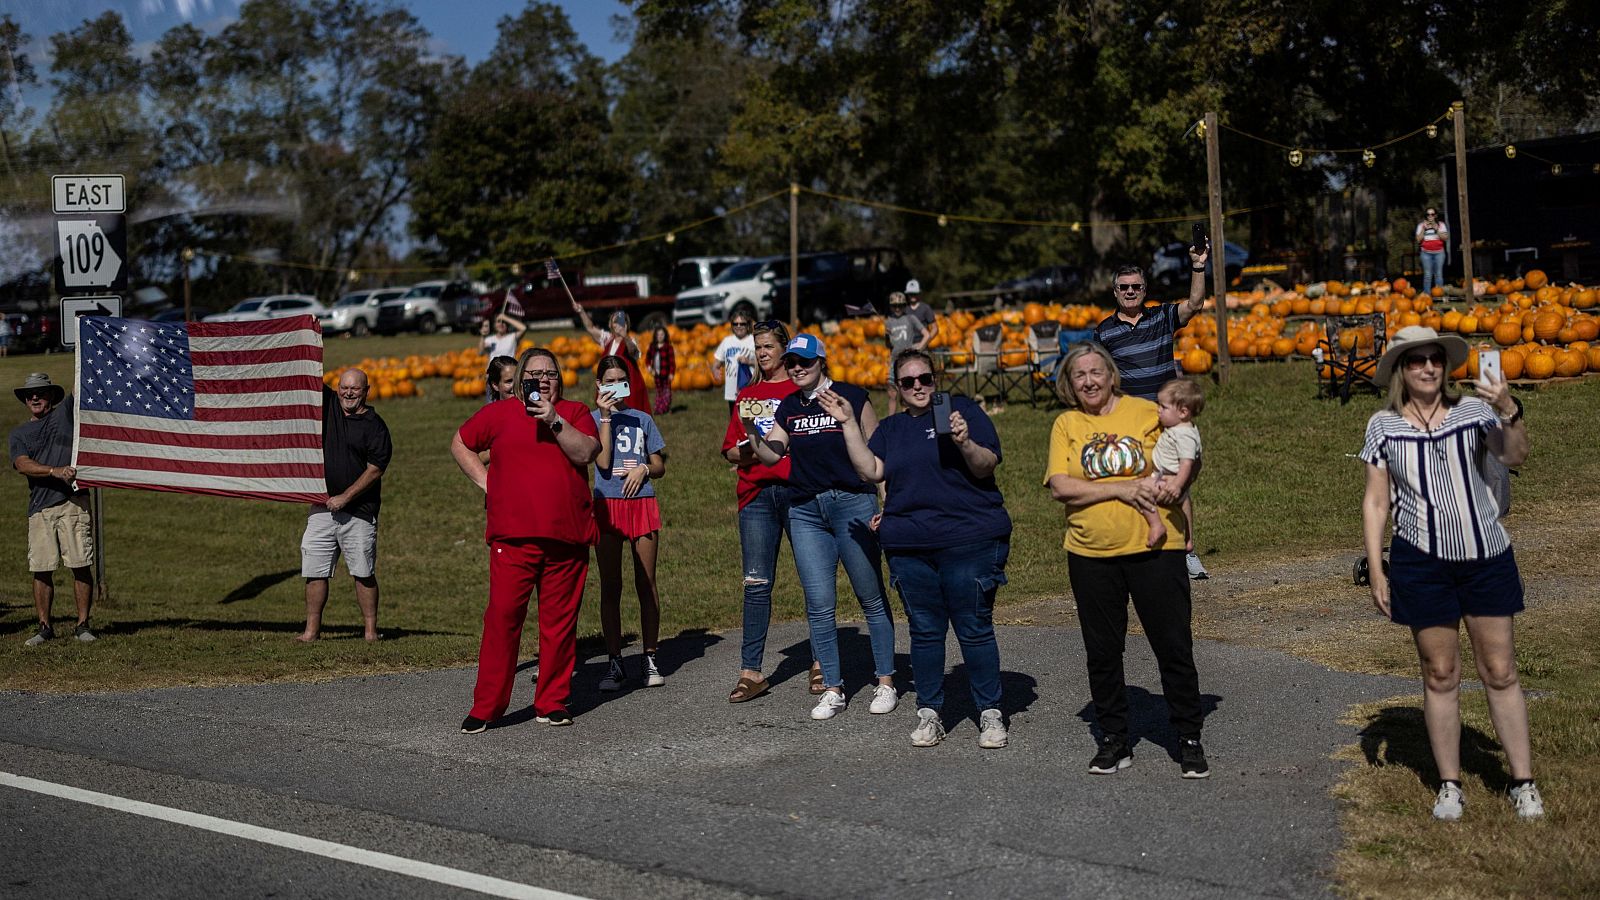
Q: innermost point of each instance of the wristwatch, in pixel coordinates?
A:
(1515, 417)
(555, 427)
(1197, 268)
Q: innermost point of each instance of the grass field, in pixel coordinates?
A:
(207, 591)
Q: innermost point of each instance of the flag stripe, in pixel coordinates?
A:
(251, 355)
(289, 490)
(312, 367)
(304, 403)
(209, 414)
(246, 470)
(101, 450)
(284, 383)
(295, 426)
(206, 440)
(292, 324)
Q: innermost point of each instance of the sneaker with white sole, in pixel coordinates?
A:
(929, 730)
(992, 733)
(1197, 571)
(829, 704)
(83, 633)
(1447, 806)
(616, 676)
(884, 700)
(1192, 759)
(1114, 755)
(42, 634)
(652, 675)
(1526, 799)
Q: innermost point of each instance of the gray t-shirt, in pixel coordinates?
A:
(903, 331)
(48, 442)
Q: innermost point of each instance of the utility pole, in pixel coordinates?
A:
(794, 258)
(188, 259)
(1219, 254)
(1458, 116)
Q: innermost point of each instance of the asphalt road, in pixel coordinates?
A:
(672, 792)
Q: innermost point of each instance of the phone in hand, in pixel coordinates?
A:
(617, 390)
(941, 412)
(1198, 240)
(1489, 367)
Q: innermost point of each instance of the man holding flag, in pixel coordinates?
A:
(58, 513)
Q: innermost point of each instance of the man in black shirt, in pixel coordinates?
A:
(58, 515)
(355, 451)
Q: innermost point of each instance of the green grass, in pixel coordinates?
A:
(204, 590)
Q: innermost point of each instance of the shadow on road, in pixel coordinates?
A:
(1397, 736)
(1147, 718)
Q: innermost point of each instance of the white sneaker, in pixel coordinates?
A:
(884, 700)
(616, 677)
(1197, 571)
(652, 675)
(829, 704)
(929, 730)
(1447, 808)
(1525, 797)
(991, 730)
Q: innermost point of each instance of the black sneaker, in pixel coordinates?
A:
(1114, 755)
(558, 718)
(473, 725)
(44, 633)
(1193, 759)
(83, 633)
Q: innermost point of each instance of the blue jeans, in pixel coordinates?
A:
(762, 525)
(952, 588)
(824, 531)
(1432, 269)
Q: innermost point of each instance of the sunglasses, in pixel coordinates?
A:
(1130, 288)
(800, 362)
(1418, 360)
(35, 395)
(907, 382)
(740, 323)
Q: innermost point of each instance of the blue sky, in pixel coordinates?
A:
(462, 27)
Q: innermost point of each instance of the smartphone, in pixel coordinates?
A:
(1197, 237)
(1489, 367)
(617, 389)
(941, 412)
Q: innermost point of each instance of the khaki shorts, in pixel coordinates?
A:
(63, 533)
(329, 534)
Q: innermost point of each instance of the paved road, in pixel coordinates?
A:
(673, 792)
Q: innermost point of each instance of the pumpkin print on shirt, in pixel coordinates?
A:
(1106, 454)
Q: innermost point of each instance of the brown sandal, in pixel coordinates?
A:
(748, 689)
(817, 686)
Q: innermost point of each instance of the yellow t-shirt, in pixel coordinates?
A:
(1112, 447)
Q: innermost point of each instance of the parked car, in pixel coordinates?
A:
(33, 332)
(1170, 267)
(277, 306)
(1043, 283)
(175, 314)
(744, 287)
(357, 311)
(538, 299)
(428, 306)
(697, 271)
(829, 282)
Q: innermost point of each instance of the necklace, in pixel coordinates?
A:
(1428, 426)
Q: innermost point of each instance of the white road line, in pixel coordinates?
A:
(472, 881)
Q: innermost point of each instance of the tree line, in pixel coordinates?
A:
(329, 133)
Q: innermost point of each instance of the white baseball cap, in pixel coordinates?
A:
(912, 287)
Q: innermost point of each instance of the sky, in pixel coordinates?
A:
(460, 27)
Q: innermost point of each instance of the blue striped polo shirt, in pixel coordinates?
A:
(1143, 350)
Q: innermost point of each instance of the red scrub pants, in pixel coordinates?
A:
(556, 571)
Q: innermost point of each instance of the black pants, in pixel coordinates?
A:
(1158, 581)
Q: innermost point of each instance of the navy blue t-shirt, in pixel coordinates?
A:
(1142, 352)
(818, 458)
(933, 501)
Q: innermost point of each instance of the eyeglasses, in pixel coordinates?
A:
(543, 374)
(1130, 288)
(740, 323)
(1418, 360)
(907, 382)
(35, 395)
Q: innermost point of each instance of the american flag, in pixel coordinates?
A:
(551, 269)
(232, 409)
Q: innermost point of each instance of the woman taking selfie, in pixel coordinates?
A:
(625, 509)
(830, 518)
(945, 531)
(1450, 559)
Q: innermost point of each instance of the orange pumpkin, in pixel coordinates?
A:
(1511, 363)
(1536, 278)
(1507, 333)
(1196, 361)
(1593, 355)
(1548, 324)
(1570, 363)
(1539, 365)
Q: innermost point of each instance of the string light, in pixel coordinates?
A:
(671, 238)
(1511, 151)
(1296, 157)
(1432, 131)
(1555, 169)
(354, 276)
(1368, 158)
(943, 220)
(1200, 130)
(1076, 228)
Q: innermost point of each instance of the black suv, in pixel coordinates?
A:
(832, 281)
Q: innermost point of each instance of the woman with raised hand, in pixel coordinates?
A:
(945, 531)
(616, 341)
(1450, 559)
(631, 458)
(1100, 453)
(831, 512)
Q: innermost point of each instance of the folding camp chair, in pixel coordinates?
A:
(1043, 352)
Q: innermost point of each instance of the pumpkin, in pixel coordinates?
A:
(1586, 328)
(1593, 355)
(1548, 324)
(1539, 365)
(1196, 361)
(1570, 363)
(1511, 364)
(1536, 278)
(1508, 332)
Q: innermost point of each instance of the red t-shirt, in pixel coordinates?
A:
(534, 490)
(758, 476)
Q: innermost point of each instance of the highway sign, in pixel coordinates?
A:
(73, 307)
(91, 254)
(88, 194)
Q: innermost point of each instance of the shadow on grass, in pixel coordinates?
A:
(1398, 736)
(1148, 718)
(124, 628)
(258, 585)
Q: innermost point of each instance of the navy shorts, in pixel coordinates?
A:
(1425, 590)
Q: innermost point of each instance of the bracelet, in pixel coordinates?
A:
(1197, 268)
(605, 420)
(1515, 417)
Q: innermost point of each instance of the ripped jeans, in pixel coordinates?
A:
(762, 524)
(954, 588)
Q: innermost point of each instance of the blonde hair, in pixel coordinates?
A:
(1064, 390)
(1186, 394)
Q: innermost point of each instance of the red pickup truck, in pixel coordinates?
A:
(538, 299)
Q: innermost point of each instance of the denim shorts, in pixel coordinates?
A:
(1425, 591)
